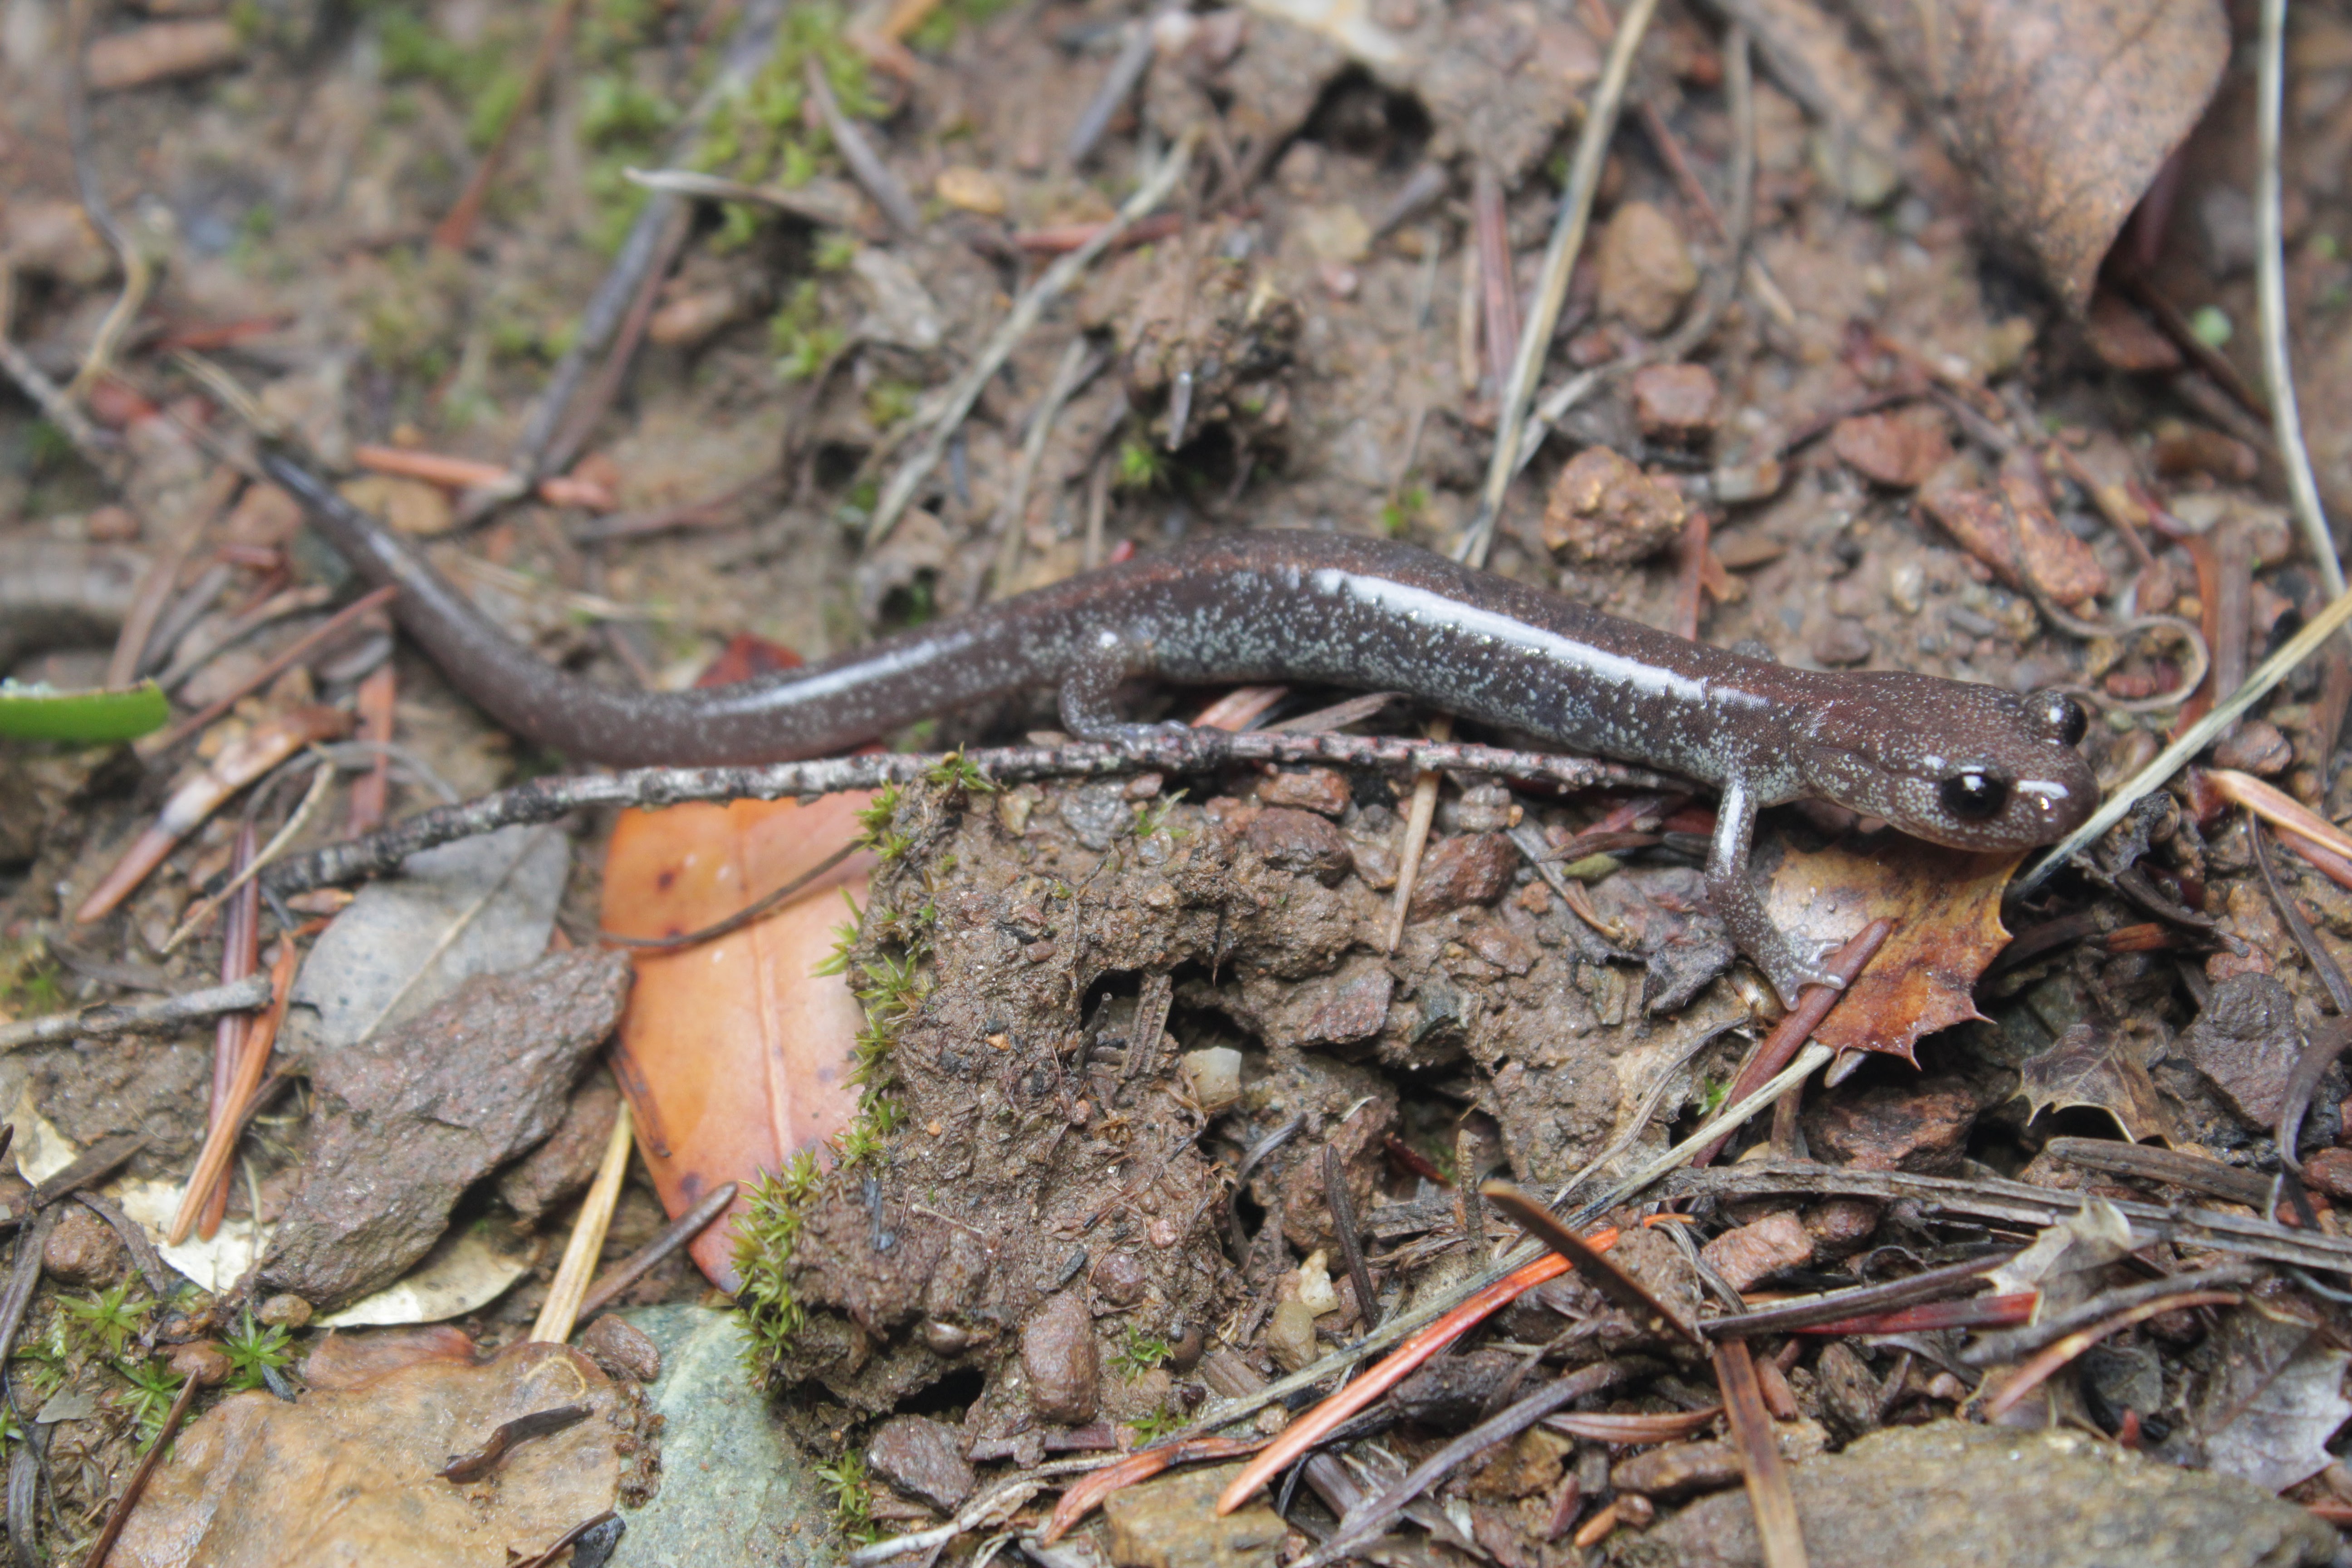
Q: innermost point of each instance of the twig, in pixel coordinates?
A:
(1419, 814)
(1813, 1004)
(614, 369)
(147, 600)
(824, 204)
(1499, 289)
(139, 1476)
(107, 1020)
(1760, 1456)
(570, 1283)
(746, 52)
(227, 1128)
(545, 800)
(1560, 262)
(1079, 365)
(2035, 1372)
(1620, 1289)
(326, 631)
(2318, 1056)
(2323, 963)
(322, 776)
(1995, 1349)
(1351, 1240)
(1134, 58)
(990, 1508)
(1930, 1284)
(2173, 1167)
(1361, 1528)
(94, 446)
(2015, 1203)
(899, 493)
(2270, 292)
(571, 1538)
(673, 1236)
(456, 230)
(864, 164)
(2193, 740)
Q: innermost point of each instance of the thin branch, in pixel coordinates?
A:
(1560, 262)
(674, 1234)
(139, 1476)
(545, 800)
(107, 1020)
(2270, 290)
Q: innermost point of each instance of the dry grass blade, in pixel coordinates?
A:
(1417, 818)
(1621, 1288)
(2278, 808)
(2190, 742)
(1760, 1457)
(570, 1286)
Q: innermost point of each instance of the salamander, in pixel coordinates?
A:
(1961, 764)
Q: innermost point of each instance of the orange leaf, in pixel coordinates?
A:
(1945, 905)
(734, 1055)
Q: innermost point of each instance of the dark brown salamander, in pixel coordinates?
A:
(1960, 765)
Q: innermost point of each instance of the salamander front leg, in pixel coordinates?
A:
(1741, 907)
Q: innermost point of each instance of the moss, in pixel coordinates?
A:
(800, 334)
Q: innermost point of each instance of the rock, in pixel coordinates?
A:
(1355, 1011)
(1528, 1465)
(82, 1249)
(1842, 642)
(1172, 1523)
(1058, 1352)
(1899, 451)
(1646, 270)
(566, 1162)
(622, 1349)
(2186, 450)
(1841, 1225)
(694, 316)
(1737, 484)
(1997, 1498)
(1920, 1127)
(1678, 1469)
(406, 506)
(2330, 1171)
(54, 238)
(1211, 1077)
(1674, 403)
(752, 1501)
(285, 1312)
(924, 1458)
(1319, 790)
(411, 1117)
(2257, 747)
(974, 190)
(1475, 868)
(2245, 1044)
(1301, 842)
(1603, 510)
(1759, 1249)
(1452, 1391)
(1120, 1279)
(202, 1360)
(1290, 1335)
(2124, 339)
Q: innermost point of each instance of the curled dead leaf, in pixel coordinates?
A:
(2093, 1064)
(1945, 905)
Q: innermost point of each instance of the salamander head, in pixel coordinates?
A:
(1970, 766)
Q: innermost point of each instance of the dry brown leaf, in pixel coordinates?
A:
(350, 1474)
(2061, 114)
(733, 1053)
(1945, 905)
(2091, 1065)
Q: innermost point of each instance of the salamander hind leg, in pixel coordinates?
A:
(1089, 689)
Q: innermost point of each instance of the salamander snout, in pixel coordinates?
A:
(1964, 765)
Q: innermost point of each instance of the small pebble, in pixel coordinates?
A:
(285, 1312)
(622, 1347)
(1058, 1352)
(203, 1360)
(2257, 748)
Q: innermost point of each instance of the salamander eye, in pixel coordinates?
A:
(2060, 715)
(1974, 797)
